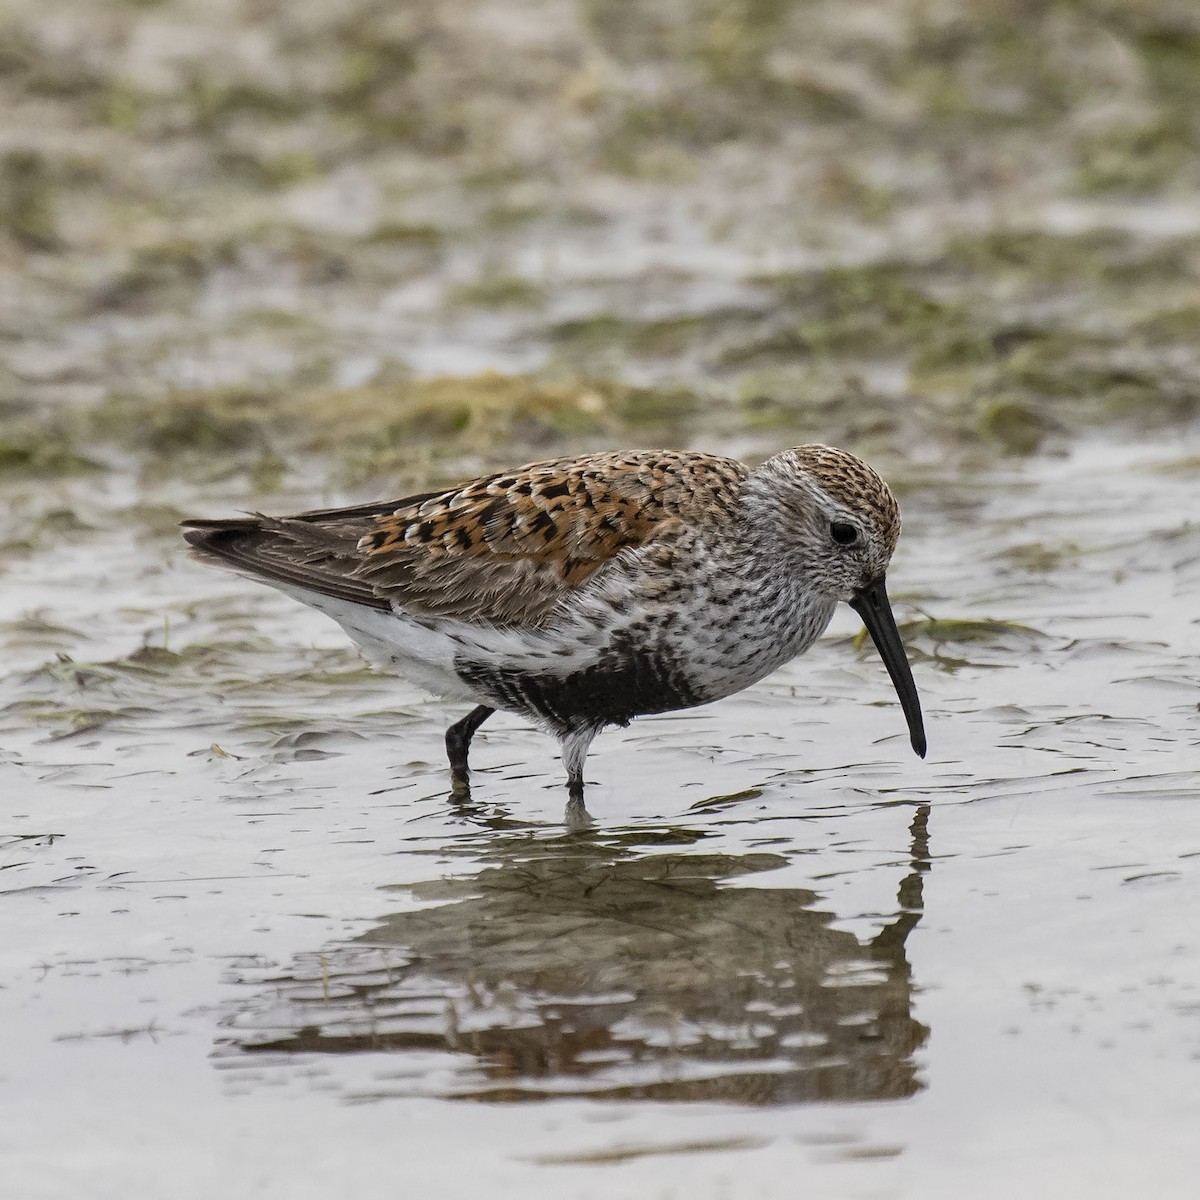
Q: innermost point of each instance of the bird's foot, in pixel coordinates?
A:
(577, 816)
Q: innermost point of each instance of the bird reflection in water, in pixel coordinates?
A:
(617, 966)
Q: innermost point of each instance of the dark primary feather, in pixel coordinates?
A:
(506, 549)
(316, 558)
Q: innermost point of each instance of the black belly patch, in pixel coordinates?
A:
(612, 692)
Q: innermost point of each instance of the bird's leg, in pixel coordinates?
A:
(458, 745)
(574, 754)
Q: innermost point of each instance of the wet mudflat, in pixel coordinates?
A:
(251, 946)
(270, 256)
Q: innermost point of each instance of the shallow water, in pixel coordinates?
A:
(250, 945)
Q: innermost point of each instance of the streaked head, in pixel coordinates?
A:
(829, 517)
(835, 521)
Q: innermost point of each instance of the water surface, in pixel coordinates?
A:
(251, 945)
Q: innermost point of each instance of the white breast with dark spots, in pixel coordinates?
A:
(732, 626)
(648, 640)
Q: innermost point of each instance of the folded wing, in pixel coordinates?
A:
(506, 549)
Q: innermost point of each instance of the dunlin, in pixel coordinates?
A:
(583, 592)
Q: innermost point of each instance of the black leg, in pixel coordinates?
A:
(458, 744)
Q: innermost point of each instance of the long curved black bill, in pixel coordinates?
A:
(872, 604)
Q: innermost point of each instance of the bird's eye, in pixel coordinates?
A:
(843, 533)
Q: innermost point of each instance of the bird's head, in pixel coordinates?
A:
(829, 518)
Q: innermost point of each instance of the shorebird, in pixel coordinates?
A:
(583, 592)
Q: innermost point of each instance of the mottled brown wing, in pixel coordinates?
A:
(509, 548)
(504, 550)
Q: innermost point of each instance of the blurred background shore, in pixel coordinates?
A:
(297, 244)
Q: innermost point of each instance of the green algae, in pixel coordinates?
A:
(489, 415)
(1038, 557)
(1137, 159)
(33, 446)
(381, 428)
(194, 422)
(1173, 326)
(499, 291)
(33, 456)
(421, 235)
(37, 631)
(1171, 53)
(953, 643)
(669, 337)
(968, 631)
(1016, 427)
(591, 332)
(152, 274)
(883, 305)
(1189, 465)
(26, 200)
(1102, 257)
(928, 634)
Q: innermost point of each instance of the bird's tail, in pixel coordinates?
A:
(295, 554)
